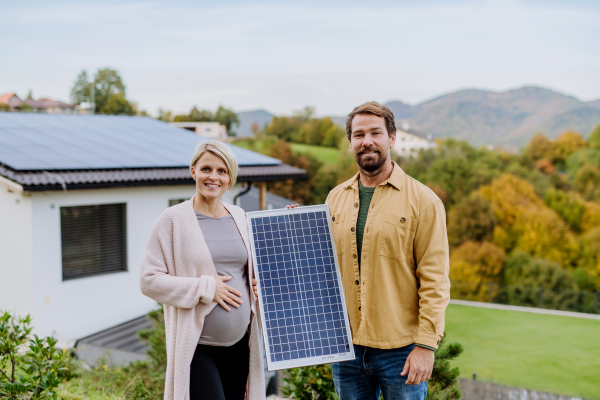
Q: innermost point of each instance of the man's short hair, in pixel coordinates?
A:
(372, 107)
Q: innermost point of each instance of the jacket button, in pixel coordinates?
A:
(358, 308)
(352, 229)
(403, 220)
(333, 219)
(357, 282)
(355, 204)
(353, 255)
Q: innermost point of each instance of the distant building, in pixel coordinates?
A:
(212, 130)
(79, 195)
(410, 141)
(43, 105)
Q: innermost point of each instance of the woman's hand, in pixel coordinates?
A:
(292, 206)
(226, 294)
(254, 283)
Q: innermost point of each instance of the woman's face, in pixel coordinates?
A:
(211, 176)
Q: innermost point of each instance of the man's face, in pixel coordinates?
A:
(370, 142)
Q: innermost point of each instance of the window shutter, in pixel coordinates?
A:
(93, 240)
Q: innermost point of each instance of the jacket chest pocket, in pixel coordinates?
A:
(337, 226)
(397, 235)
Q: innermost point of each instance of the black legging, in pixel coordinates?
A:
(220, 373)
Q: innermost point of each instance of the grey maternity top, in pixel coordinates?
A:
(221, 327)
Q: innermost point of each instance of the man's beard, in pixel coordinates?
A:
(370, 164)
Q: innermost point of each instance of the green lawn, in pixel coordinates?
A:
(327, 155)
(535, 351)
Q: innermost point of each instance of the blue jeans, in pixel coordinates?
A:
(375, 371)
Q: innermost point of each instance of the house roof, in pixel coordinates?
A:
(45, 151)
(47, 103)
(4, 98)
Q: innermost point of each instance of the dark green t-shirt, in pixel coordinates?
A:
(365, 194)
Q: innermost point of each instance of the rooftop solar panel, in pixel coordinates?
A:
(304, 318)
(67, 142)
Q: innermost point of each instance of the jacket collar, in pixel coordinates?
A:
(395, 180)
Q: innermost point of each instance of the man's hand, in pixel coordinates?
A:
(254, 283)
(419, 365)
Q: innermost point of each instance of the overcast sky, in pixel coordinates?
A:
(283, 55)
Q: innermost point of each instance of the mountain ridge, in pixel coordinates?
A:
(481, 117)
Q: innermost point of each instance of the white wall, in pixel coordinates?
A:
(408, 144)
(79, 307)
(16, 261)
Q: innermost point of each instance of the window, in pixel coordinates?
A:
(93, 240)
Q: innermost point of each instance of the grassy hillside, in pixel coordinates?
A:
(544, 352)
(327, 155)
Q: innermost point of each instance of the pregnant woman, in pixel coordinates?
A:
(198, 265)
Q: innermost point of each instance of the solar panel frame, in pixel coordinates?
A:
(273, 364)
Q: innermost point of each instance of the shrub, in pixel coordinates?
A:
(316, 382)
(30, 367)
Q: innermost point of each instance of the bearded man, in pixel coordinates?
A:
(391, 243)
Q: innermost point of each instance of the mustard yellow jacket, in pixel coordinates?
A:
(400, 294)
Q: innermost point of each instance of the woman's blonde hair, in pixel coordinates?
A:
(223, 152)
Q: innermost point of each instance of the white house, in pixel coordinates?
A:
(79, 195)
(410, 141)
(212, 130)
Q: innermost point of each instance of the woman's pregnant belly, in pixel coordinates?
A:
(225, 328)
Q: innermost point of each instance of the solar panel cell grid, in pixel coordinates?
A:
(302, 303)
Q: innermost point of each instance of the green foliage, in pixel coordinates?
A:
(585, 156)
(30, 367)
(471, 219)
(228, 118)
(314, 382)
(443, 384)
(587, 182)
(594, 138)
(538, 282)
(107, 89)
(303, 128)
(567, 205)
(223, 116)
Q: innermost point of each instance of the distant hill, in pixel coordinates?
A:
(247, 118)
(500, 118)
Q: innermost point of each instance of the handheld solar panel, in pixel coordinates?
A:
(304, 319)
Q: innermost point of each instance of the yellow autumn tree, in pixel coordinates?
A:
(474, 269)
(525, 222)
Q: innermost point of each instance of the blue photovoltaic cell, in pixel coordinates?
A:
(300, 293)
(31, 141)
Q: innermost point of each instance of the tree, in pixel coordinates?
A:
(567, 205)
(228, 118)
(578, 159)
(107, 83)
(473, 267)
(539, 147)
(587, 182)
(471, 219)
(117, 104)
(565, 145)
(538, 282)
(82, 89)
(594, 138)
(443, 384)
(589, 260)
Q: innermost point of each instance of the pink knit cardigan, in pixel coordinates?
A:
(178, 271)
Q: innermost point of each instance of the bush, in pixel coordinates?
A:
(316, 382)
(30, 367)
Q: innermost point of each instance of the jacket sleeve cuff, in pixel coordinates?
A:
(428, 340)
(425, 347)
(207, 289)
